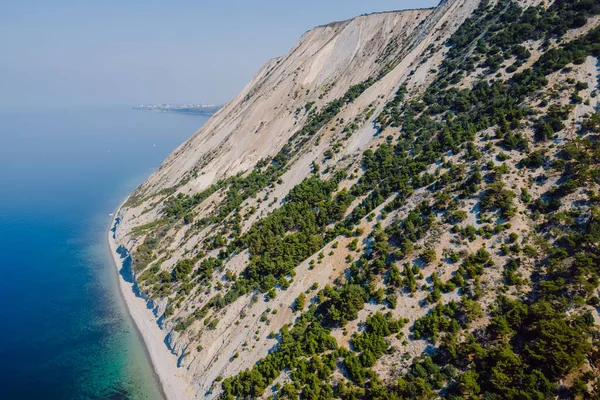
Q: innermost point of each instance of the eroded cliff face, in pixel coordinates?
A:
(279, 193)
(325, 62)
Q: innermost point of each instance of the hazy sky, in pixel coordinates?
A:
(127, 52)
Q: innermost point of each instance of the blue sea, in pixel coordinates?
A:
(64, 330)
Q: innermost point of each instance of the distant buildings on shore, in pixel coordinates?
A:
(185, 108)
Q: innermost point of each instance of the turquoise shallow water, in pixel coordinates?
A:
(65, 333)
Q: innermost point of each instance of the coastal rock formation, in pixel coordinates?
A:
(375, 206)
(321, 67)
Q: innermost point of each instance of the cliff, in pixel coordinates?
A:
(325, 62)
(399, 164)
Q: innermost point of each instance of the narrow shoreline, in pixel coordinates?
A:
(164, 364)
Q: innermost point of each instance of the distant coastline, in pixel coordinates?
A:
(200, 109)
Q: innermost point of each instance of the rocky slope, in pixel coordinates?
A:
(376, 206)
(325, 62)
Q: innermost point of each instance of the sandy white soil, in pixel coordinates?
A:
(164, 363)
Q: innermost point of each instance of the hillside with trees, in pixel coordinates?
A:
(431, 232)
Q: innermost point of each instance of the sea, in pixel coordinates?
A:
(64, 329)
